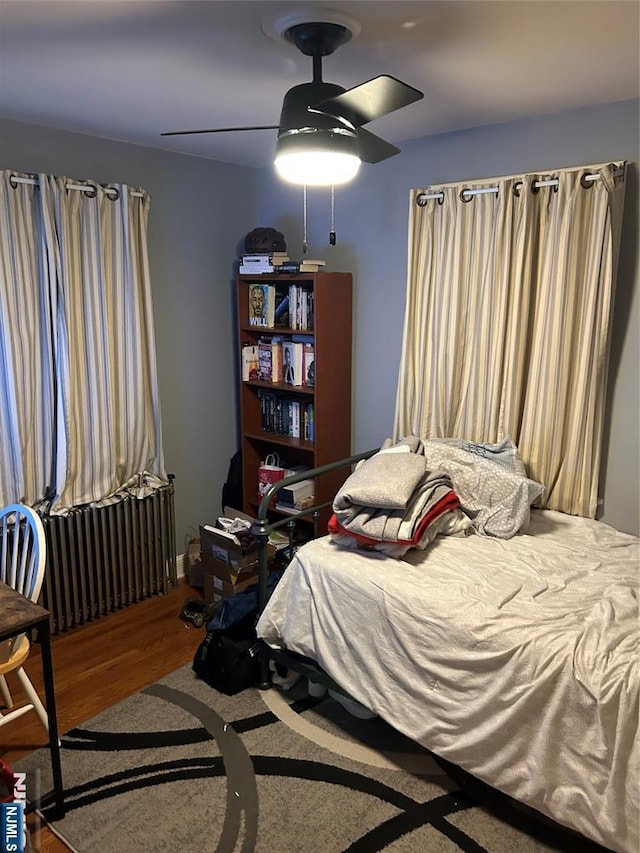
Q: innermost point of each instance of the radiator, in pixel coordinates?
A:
(102, 559)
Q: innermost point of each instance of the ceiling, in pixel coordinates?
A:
(128, 70)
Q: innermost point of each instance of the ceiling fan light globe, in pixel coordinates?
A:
(317, 168)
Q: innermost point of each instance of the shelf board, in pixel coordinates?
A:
(282, 513)
(282, 440)
(276, 330)
(281, 386)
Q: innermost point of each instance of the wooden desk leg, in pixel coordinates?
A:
(44, 639)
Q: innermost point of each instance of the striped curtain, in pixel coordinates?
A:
(80, 421)
(506, 328)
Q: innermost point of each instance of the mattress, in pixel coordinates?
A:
(515, 659)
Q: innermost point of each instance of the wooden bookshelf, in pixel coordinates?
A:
(330, 395)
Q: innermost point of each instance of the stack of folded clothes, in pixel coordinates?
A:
(393, 502)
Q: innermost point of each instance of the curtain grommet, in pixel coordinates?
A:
(464, 197)
(586, 185)
(535, 189)
(13, 183)
(556, 186)
(515, 189)
(421, 200)
(112, 193)
(441, 199)
(91, 191)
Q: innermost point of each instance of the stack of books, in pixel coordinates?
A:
(257, 264)
(287, 415)
(278, 360)
(305, 265)
(300, 307)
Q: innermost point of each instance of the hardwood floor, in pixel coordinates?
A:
(96, 666)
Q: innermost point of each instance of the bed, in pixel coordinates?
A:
(514, 658)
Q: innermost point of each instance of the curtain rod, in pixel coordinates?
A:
(110, 191)
(466, 193)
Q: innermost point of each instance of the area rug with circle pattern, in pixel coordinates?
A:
(182, 767)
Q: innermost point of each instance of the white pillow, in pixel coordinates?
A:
(505, 452)
(495, 497)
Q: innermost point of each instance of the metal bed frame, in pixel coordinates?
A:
(262, 528)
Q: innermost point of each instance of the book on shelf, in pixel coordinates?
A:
(309, 420)
(261, 263)
(288, 267)
(281, 313)
(250, 362)
(276, 359)
(260, 270)
(262, 304)
(308, 364)
(292, 362)
(265, 258)
(247, 267)
(265, 360)
(294, 418)
(304, 265)
(293, 302)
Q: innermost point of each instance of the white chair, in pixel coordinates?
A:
(22, 564)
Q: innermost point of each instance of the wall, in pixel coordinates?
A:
(371, 225)
(200, 210)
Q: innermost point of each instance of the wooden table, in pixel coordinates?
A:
(18, 615)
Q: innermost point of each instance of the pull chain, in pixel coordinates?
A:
(305, 244)
(332, 226)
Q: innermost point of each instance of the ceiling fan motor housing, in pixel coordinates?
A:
(295, 113)
(299, 126)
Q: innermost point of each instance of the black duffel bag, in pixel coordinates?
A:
(229, 659)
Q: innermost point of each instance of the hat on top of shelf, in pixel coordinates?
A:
(264, 240)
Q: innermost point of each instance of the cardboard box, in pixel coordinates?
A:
(224, 546)
(217, 587)
(226, 573)
(226, 569)
(221, 581)
(195, 570)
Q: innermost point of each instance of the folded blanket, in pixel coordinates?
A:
(385, 481)
(385, 525)
(444, 516)
(392, 501)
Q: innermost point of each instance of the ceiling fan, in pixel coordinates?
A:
(321, 138)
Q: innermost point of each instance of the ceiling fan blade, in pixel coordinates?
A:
(219, 130)
(373, 148)
(370, 100)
